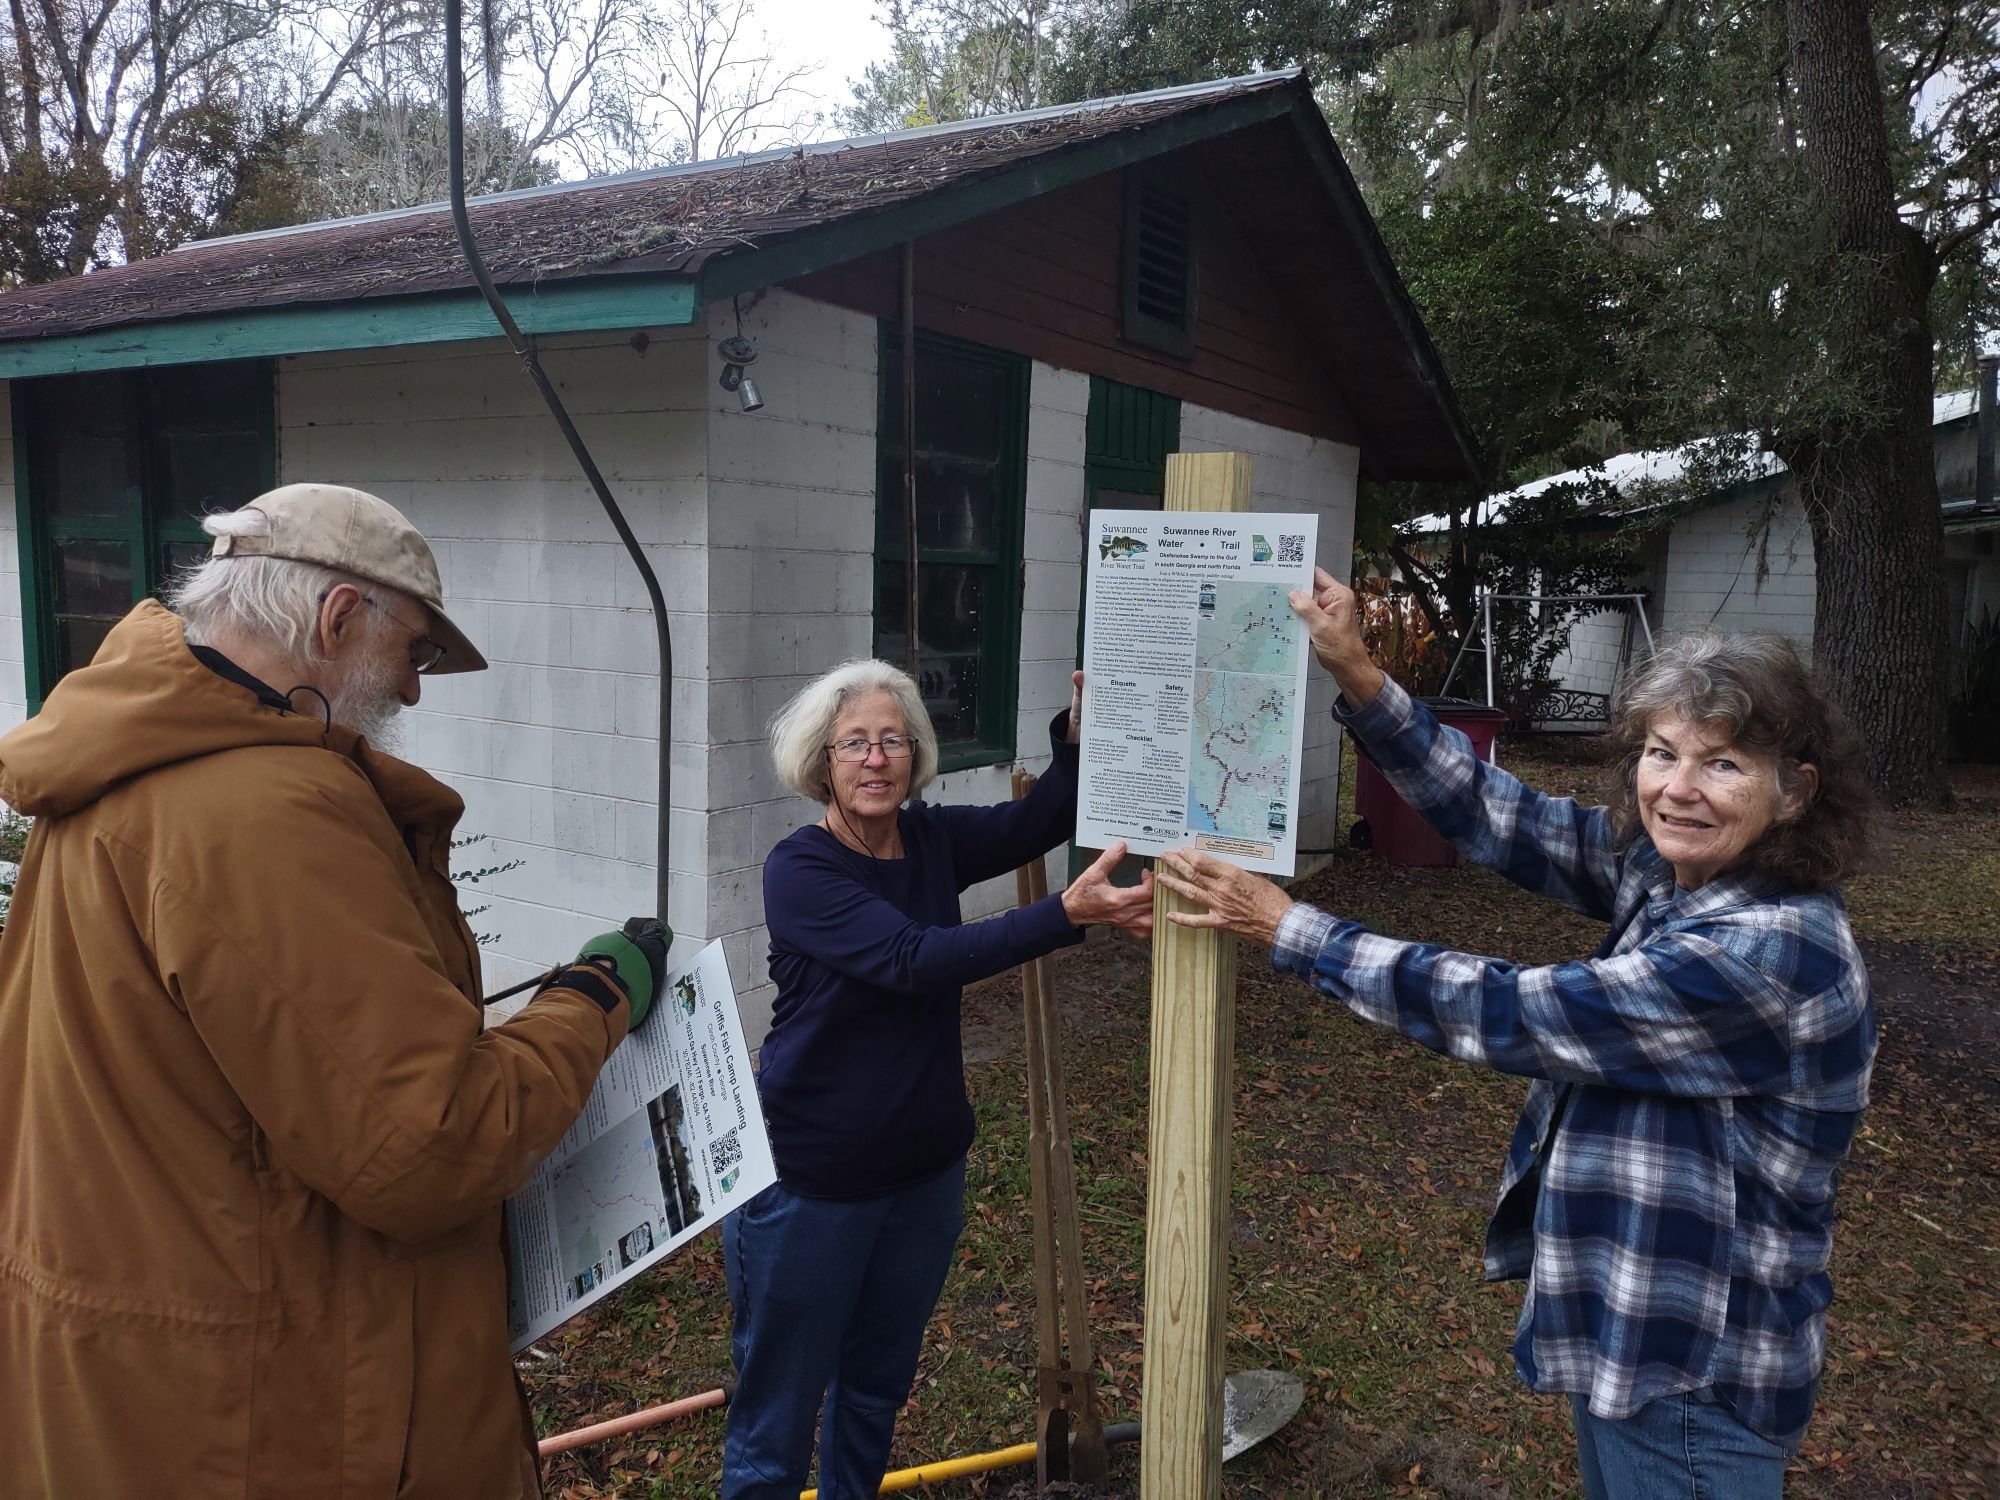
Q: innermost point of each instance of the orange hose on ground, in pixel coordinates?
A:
(949, 1468)
(562, 1442)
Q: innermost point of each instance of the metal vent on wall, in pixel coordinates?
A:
(1159, 266)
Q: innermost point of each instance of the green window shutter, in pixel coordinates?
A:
(1128, 434)
(972, 470)
(113, 473)
(1160, 271)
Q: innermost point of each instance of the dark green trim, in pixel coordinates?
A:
(1000, 640)
(26, 527)
(377, 323)
(863, 234)
(137, 524)
(1128, 433)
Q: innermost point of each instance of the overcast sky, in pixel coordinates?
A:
(836, 38)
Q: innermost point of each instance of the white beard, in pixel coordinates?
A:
(367, 702)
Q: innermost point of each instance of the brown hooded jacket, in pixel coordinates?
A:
(253, 1137)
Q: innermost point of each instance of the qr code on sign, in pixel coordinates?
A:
(724, 1152)
(1291, 547)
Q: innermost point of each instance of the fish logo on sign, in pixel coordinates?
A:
(1115, 546)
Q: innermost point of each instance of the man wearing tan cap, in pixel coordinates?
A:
(254, 1136)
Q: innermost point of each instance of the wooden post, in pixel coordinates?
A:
(1187, 1158)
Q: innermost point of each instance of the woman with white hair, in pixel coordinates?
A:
(1669, 1194)
(833, 1271)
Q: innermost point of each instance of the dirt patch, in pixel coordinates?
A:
(1092, 988)
(1941, 1003)
(1363, 1171)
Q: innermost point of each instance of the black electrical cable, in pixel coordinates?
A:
(455, 123)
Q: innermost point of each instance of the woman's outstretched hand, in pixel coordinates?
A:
(1093, 901)
(1333, 619)
(1235, 900)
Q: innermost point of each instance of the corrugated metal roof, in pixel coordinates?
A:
(1633, 479)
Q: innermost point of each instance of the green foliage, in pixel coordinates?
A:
(956, 59)
(46, 205)
(392, 152)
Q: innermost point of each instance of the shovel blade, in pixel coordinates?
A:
(1255, 1404)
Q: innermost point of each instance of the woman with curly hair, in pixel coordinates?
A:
(1669, 1194)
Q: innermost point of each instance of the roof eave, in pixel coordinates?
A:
(731, 270)
(588, 304)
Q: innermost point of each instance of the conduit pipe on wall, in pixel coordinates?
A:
(525, 349)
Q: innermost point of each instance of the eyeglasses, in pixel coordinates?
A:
(892, 746)
(425, 653)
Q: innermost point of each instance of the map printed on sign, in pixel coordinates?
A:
(670, 1141)
(1194, 683)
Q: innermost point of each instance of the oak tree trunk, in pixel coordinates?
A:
(1867, 476)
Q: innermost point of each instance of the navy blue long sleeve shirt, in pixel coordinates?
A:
(863, 1082)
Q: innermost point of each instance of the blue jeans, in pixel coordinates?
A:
(831, 1300)
(1676, 1448)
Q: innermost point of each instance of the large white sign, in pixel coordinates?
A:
(1194, 673)
(671, 1141)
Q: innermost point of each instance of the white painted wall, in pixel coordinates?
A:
(554, 748)
(790, 585)
(791, 559)
(13, 676)
(1714, 558)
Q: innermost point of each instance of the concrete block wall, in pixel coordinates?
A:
(1590, 661)
(1713, 560)
(13, 675)
(1292, 472)
(762, 530)
(555, 747)
(791, 586)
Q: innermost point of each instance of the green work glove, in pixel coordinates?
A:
(636, 956)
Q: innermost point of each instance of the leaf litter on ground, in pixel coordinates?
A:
(1363, 1169)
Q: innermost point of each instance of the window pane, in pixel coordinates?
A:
(177, 557)
(951, 600)
(962, 403)
(85, 448)
(958, 506)
(961, 407)
(235, 394)
(93, 592)
(205, 472)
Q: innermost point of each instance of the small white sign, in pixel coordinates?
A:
(671, 1140)
(1194, 675)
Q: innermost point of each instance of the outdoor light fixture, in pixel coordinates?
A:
(738, 353)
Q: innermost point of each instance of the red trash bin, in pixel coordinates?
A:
(1394, 829)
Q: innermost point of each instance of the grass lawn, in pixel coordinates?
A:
(1364, 1168)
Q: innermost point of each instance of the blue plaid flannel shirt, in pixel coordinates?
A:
(1669, 1191)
